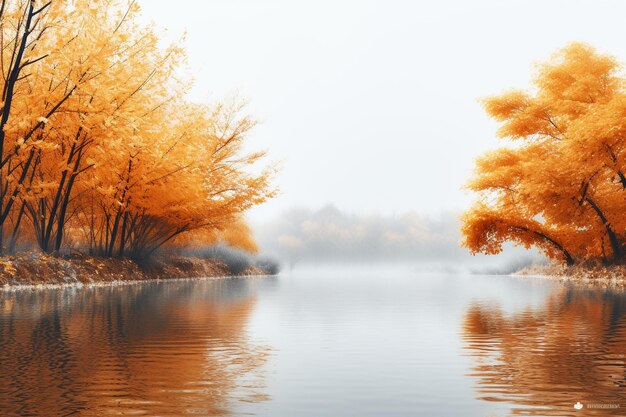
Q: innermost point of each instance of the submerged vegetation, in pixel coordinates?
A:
(560, 184)
(99, 148)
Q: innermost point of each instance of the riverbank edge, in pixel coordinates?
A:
(596, 276)
(35, 271)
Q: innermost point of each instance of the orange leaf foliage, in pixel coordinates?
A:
(99, 147)
(562, 185)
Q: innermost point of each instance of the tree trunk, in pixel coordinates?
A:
(613, 239)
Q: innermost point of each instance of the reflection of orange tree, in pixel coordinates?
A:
(545, 360)
(166, 350)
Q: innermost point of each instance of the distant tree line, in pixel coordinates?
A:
(330, 234)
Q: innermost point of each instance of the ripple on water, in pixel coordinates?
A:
(159, 348)
(364, 343)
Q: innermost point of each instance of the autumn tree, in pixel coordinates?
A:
(559, 184)
(99, 147)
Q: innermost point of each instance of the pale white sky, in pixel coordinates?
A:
(372, 105)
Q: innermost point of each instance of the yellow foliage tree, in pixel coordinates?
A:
(98, 145)
(560, 184)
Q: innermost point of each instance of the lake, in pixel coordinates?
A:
(342, 341)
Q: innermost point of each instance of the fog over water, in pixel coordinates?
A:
(302, 236)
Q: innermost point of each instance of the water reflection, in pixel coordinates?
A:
(153, 349)
(543, 360)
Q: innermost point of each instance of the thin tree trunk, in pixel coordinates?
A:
(569, 260)
(16, 229)
(613, 239)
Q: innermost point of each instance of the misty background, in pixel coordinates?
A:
(304, 237)
(372, 106)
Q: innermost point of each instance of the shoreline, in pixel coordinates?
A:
(7, 288)
(590, 276)
(40, 271)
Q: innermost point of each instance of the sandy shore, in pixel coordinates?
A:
(43, 271)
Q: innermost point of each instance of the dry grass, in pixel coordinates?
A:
(591, 275)
(39, 269)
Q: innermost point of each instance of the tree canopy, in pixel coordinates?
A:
(559, 183)
(99, 146)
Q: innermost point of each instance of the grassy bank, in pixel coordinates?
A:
(40, 269)
(592, 275)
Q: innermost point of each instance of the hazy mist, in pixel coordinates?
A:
(371, 105)
(301, 236)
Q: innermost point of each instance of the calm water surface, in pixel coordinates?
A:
(343, 342)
